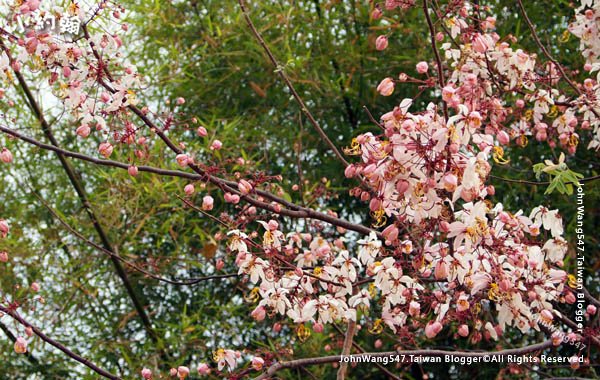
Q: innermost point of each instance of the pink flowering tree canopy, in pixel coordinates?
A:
(258, 190)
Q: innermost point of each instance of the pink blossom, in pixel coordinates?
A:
(422, 67)
(203, 369)
(480, 44)
(146, 374)
(189, 189)
(216, 145)
(257, 363)
(591, 309)
(4, 228)
(317, 327)
(180, 101)
(6, 156)
(376, 14)
(207, 203)
(105, 149)
(381, 43)
(182, 160)
(3, 257)
(244, 187)
(231, 198)
(259, 313)
(390, 233)
(132, 170)
(35, 287)
(183, 372)
(201, 131)
(386, 87)
(20, 345)
(463, 330)
(432, 329)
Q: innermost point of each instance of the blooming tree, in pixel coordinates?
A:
(438, 256)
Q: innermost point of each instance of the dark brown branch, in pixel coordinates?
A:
(13, 314)
(294, 210)
(430, 353)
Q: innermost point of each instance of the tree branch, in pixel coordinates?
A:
(13, 314)
(431, 353)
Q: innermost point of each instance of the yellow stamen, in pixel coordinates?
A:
(377, 327)
(302, 333)
(498, 156)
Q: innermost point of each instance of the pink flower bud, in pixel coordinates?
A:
(83, 130)
(207, 203)
(381, 43)
(105, 97)
(422, 67)
(183, 372)
(3, 257)
(570, 298)
(350, 171)
(480, 44)
(20, 345)
(441, 270)
(317, 327)
(132, 170)
(432, 329)
(257, 363)
(259, 313)
(376, 14)
(414, 309)
(189, 189)
(4, 229)
(35, 287)
(146, 374)
(402, 186)
(450, 182)
(503, 137)
(244, 187)
(203, 369)
(180, 101)
(276, 327)
(182, 160)
(574, 362)
(216, 145)
(390, 233)
(439, 37)
(463, 331)
(386, 87)
(173, 372)
(201, 131)
(105, 149)
(232, 198)
(591, 309)
(378, 344)
(6, 156)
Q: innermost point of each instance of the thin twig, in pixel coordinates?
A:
(13, 314)
(280, 70)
